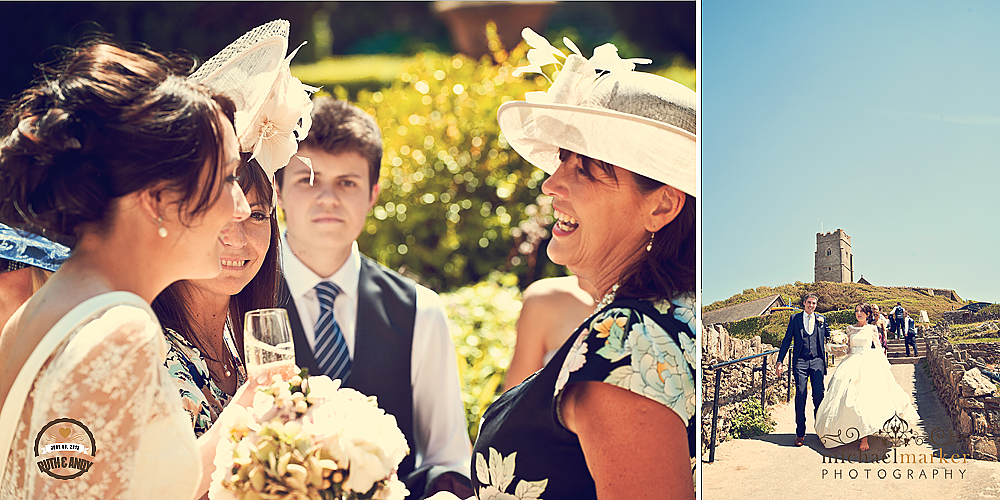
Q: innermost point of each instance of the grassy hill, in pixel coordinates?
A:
(836, 302)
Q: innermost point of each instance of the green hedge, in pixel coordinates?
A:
(771, 328)
(452, 188)
(484, 327)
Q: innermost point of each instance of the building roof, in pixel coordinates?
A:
(729, 314)
(975, 306)
(863, 281)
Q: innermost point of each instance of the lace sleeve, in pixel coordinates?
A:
(110, 377)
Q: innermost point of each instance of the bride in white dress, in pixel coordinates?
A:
(862, 393)
(119, 152)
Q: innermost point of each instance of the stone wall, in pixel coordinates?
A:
(969, 396)
(738, 381)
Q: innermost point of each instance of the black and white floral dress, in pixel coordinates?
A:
(524, 452)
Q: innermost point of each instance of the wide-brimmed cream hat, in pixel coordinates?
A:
(601, 108)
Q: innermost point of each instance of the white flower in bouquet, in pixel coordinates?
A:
(838, 337)
(308, 438)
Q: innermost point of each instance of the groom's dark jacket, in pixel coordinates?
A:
(795, 335)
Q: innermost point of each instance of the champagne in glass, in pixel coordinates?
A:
(268, 343)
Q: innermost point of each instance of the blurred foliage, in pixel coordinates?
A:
(483, 327)
(353, 73)
(747, 328)
(451, 186)
(985, 330)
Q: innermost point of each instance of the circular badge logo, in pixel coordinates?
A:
(65, 448)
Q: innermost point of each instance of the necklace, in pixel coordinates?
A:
(219, 359)
(608, 298)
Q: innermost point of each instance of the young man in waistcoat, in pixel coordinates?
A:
(353, 319)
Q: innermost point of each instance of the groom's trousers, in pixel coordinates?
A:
(807, 372)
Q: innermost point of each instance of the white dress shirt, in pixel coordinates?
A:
(439, 425)
(808, 322)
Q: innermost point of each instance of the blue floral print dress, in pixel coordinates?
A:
(524, 452)
(200, 395)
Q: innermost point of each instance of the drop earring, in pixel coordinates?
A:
(162, 231)
(649, 246)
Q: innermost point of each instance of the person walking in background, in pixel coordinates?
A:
(911, 336)
(899, 316)
(881, 324)
(807, 333)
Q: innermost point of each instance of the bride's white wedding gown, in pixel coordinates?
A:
(862, 393)
(106, 370)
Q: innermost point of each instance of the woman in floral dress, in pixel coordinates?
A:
(612, 415)
(202, 319)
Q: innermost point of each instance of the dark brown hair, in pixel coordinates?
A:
(105, 122)
(867, 309)
(668, 268)
(341, 127)
(172, 306)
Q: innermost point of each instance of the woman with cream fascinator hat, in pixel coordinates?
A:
(612, 415)
(203, 319)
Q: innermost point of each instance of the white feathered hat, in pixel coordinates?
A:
(601, 108)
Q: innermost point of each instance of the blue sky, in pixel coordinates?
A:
(879, 118)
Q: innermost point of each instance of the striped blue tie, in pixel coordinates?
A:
(332, 356)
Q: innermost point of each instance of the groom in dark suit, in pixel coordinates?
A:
(808, 332)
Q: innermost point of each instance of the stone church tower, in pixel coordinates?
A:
(834, 261)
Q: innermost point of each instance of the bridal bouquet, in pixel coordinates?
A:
(838, 337)
(308, 438)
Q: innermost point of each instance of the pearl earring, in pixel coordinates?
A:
(162, 231)
(650, 245)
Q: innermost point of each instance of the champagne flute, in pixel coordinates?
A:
(268, 343)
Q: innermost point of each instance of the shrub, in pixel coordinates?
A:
(483, 328)
(452, 188)
(774, 330)
(747, 328)
(771, 328)
(750, 420)
(839, 319)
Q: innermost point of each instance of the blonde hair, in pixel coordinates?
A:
(38, 278)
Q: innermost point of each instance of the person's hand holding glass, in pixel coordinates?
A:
(268, 344)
